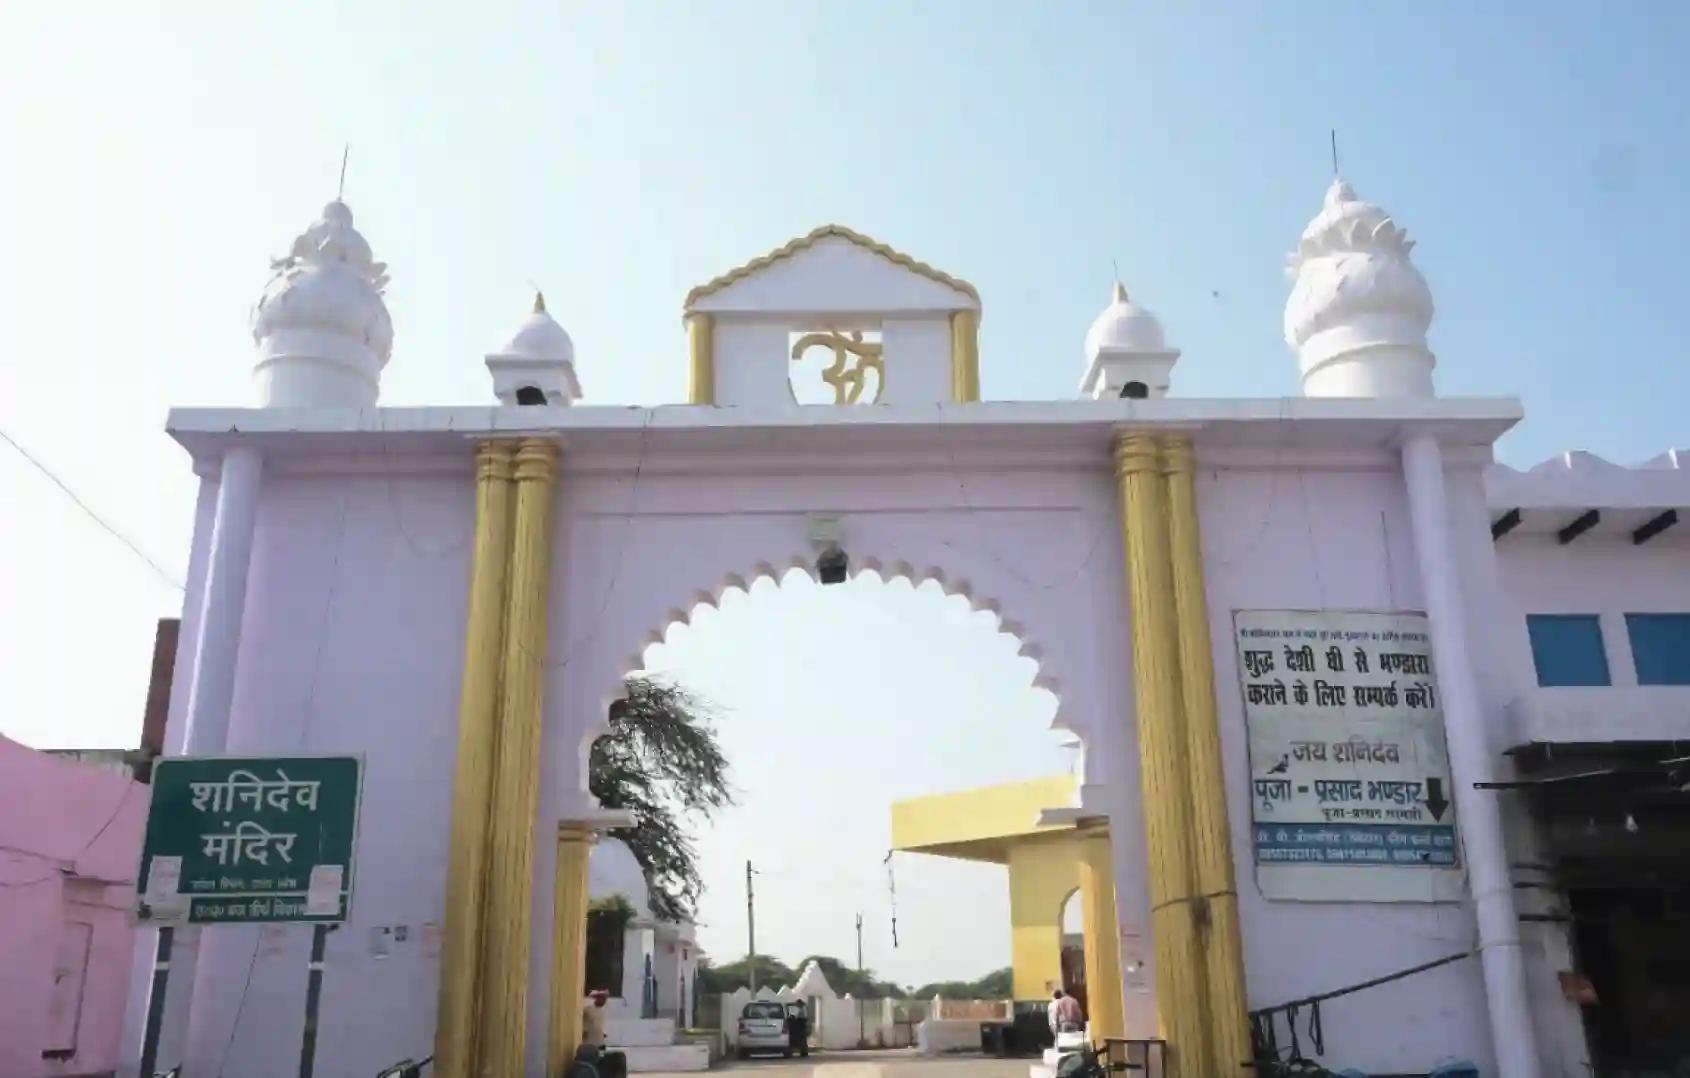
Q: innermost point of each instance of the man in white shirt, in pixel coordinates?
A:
(594, 1037)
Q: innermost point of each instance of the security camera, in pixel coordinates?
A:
(832, 565)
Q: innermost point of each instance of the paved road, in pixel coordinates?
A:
(894, 1063)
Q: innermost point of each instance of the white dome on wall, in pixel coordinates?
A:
(1359, 310)
(1127, 354)
(321, 326)
(1124, 326)
(539, 358)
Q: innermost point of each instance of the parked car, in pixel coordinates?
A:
(762, 1028)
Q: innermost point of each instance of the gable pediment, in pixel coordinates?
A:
(833, 270)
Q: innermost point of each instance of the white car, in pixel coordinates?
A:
(762, 1028)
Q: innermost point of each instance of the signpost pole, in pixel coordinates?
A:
(313, 997)
(155, 1002)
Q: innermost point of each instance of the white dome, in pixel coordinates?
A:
(1359, 310)
(1124, 326)
(1126, 353)
(540, 337)
(321, 326)
(537, 363)
(612, 869)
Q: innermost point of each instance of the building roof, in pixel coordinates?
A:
(802, 243)
(1576, 493)
(980, 824)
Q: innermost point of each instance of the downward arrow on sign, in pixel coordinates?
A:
(1435, 802)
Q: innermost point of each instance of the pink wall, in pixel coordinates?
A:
(70, 837)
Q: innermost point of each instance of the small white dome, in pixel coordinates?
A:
(1124, 326)
(1126, 353)
(540, 337)
(536, 365)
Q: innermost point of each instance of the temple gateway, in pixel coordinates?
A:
(1340, 682)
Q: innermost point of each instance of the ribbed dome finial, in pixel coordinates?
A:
(1358, 313)
(322, 328)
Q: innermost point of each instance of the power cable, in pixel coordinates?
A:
(116, 811)
(110, 529)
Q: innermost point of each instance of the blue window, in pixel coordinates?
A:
(1567, 649)
(1660, 646)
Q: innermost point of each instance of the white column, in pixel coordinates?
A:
(211, 686)
(1478, 812)
(211, 693)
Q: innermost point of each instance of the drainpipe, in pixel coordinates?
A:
(1478, 815)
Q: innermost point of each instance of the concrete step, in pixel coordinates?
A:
(640, 1032)
(645, 1059)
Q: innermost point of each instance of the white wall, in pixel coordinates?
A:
(354, 635)
(1282, 533)
(1610, 577)
(918, 359)
(751, 365)
(352, 643)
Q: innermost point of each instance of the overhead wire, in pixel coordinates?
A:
(110, 529)
(116, 811)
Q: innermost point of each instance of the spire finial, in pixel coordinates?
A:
(539, 302)
(340, 192)
(1120, 293)
(1334, 133)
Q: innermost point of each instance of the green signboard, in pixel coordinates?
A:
(250, 839)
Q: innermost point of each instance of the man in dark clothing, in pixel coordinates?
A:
(797, 1029)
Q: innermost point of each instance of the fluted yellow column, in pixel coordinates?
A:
(701, 368)
(1161, 741)
(569, 944)
(516, 780)
(1223, 947)
(1102, 935)
(965, 356)
(454, 1035)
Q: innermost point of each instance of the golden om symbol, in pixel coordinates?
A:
(853, 358)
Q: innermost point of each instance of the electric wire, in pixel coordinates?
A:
(110, 529)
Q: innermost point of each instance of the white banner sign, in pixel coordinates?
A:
(1349, 777)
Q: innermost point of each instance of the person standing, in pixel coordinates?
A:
(595, 1038)
(798, 1029)
(1065, 1014)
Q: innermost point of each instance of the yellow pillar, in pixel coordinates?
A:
(569, 944)
(1161, 740)
(965, 356)
(1043, 872)
(1103, 935)
(516, 784)
(1229, 1022)
(701, 370)
(454, 1036)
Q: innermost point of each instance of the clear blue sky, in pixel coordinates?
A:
(619, 153)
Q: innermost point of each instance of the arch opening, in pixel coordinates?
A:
(832, 703)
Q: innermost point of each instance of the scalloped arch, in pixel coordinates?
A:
(887, 570)
(959, 587)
